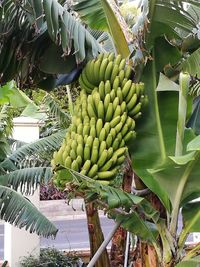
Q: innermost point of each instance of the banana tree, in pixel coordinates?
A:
(16, 208)
(165, 40)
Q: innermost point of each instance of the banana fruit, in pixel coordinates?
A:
(104, 121)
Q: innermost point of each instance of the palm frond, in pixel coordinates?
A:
(104, 39)
(114, 197)
(175, 15)
(107, 42)
(28, 29)
(46, 144)
(98, 14)
(26, 180)
(6, 119)
(93, 13)
(19, 211)
(192, 63)
(55, 111)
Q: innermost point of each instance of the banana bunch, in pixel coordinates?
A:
(105, 68)
(103, 121)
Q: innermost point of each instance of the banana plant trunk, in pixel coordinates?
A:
(144, 254)
(96, 237)
(117, 253)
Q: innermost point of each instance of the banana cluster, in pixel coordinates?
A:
(103, 121)
(105, 68)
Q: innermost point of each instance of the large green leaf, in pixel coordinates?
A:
(134, 224)
(165, 84)
(174, 15)
(192, 63)
(170, 19)
(166, 54)
(62, 23)
(98, 14)
(171, 175)
(57, 112)
(52, 61)
(5, 93)
(194, 262)
(179, 176)
(19, 211)
(191, 219)
(156, 140)
(114, 197)
(26, 180)
(149, 148)
(33, 27)
(50, 143)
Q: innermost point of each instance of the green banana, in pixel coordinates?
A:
(129, 135)
(87, 152)
(91, 111)
(112, 94)
(108, 71)
(116, 83)
(132, 102)
(115, 121)
(107, 101)
(122, 64)
(121, 75)
(126, 88)
(99, 126)
(117, 111)
(102, 147)
(109, 164)
(115, 102)
(100, 111)
(107, 87)
(102, 69)
(109, 140)
(123, 107)
(107, 174)
(102, 90)
(86, 167)
(107, 127)
(102, 135)
(118, 59)
(109, 112)
(110, 152)
(95, 154)
(136, 109)
(115, 144)
(128, 72)
(93, 171)
(102, 158)
(96, 69)
(86, 129)
(115, 72)
(93, 131)
(79, 150)
(104, 120)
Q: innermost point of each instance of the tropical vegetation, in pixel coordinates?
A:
(48, 46)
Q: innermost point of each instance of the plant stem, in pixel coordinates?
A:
(192, 252)
(183, 181)
(96, 236)
(157, 114)
(186, 230)
(103, 245)
(184, 79)
(184, 87)
(115, 30)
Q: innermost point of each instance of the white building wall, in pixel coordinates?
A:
(18, 242)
